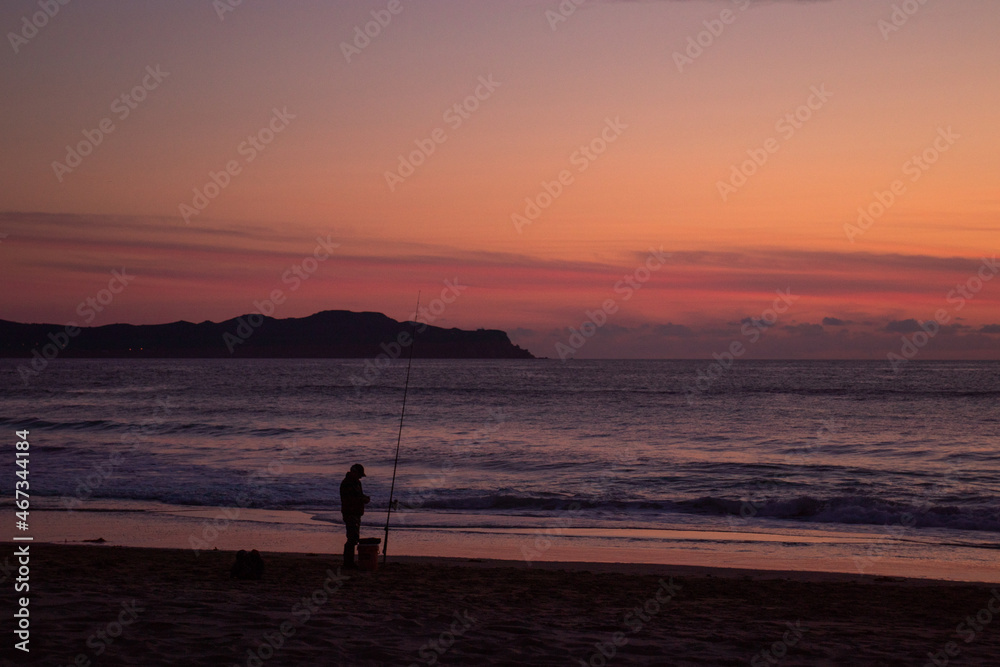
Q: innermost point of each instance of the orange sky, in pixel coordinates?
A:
(640, 143)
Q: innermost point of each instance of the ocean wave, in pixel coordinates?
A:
(549, 393)
(973, 512)
(156, 427)
(42, 424)
(859, 510)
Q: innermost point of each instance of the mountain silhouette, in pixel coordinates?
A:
(327, 334)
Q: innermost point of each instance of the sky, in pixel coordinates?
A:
(600, 179)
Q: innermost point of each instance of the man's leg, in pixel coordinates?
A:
(353, 525)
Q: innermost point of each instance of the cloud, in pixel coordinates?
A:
(784, 259)
(903, 326)
(953, 328)
(912, 326)
(165, 248)
(690, 308)
(795, 341)
(757, 323)
(804, 329)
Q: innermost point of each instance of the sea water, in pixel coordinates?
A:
(757, 464)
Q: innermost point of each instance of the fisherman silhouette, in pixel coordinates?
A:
(352, 506)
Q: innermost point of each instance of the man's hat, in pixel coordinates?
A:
(358, 468)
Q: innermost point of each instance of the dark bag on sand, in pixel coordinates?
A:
(248, 565)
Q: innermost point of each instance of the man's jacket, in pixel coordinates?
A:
(352, 497)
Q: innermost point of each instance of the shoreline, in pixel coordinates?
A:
(854, 555)
(306, 611)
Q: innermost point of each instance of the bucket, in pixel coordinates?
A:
(368, 554)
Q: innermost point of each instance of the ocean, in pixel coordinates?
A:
(830, 465)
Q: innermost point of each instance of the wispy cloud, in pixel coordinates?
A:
(698, 302)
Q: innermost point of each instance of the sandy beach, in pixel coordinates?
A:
(640, 332)
(117, 605)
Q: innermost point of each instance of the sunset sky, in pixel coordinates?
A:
(627, 134)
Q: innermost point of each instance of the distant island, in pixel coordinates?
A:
(329, 334)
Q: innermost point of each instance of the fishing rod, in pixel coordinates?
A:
(399, 436)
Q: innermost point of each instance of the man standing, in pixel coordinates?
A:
(352, 506)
